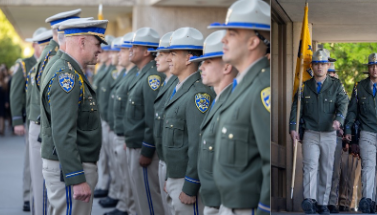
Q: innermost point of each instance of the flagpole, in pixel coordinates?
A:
(298, 114)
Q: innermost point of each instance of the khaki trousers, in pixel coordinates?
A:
(337, 170)
(318, 150)
(115, 182)
(126, 201)
(103, 162)
(211, 211)
(349, 164)
(368, 145)
(174, 188)
(228, 211)
(145, 187)
(357, 186)
(60, 196)
(164, 195)
(40, 203)
(26, 178)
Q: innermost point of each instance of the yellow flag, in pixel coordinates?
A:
(100, 16)
(305, 53)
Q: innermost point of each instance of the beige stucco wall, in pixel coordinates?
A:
(165, 19)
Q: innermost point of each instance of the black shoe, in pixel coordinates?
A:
(333, 209)
(373, 207)
(352, 209)
(98, 193)
(309, 206)
(322, 209)
(365, 205)
(26, 206)
(344, 208)
(108, 202)
(116, 212)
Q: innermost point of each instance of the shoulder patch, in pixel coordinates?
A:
(154, 82)
(114, 74)
(202, 101)
(67, 81)
(266, 98)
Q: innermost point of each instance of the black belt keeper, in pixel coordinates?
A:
(120, 134)
(61, 176)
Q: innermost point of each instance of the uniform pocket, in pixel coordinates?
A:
(207, 155)
(308, 104)
(234, 146)
(328, 105)
(136, 108)
(174, 133)
(89, 118)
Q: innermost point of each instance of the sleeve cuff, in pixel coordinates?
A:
(148, 150)
(74, 178)
(340, 118)
(191, 186)
(292, 126)
(17, 120)
(263, 209)
(347, 129)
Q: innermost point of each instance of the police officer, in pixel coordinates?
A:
(184, 112)
(111, 78)
(71, 127)
(242, 159)
(219, 75)
(338, 157)
(159, 104)
(126, 203)
(138, 124)
(323, 107)
(39, 192)
(362, 106)
(104, 169)
(19, 110)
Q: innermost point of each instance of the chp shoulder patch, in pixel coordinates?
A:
(114, 74)
(154, 82)
(67, 81)
(202, 101)
(266, 98)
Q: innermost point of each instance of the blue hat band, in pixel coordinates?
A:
(115, 49)
(106, 48)
(63, 19)
(184, 47)
(144, 43)
(85, 31)
(208, 55)
(241, 25)
(124, 46)
(331, 70)
(372, 63)
(320, 61)
(44, 41)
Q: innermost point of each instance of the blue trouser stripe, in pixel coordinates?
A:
(146, 182)
(44, 198)
(195, 206)
(66, 199)
(70, 200)
(252, 211)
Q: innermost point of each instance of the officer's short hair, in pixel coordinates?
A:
(153, 54)
(195, 53)
(61, 39)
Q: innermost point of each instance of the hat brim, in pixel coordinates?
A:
(332, 59)
(101, 40)
(184, 47)
(202, 58)
(239, 25)
(30, 40)
(334, 71)
(158, 50)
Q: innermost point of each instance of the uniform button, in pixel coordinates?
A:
(224, 130)
(94, 103)
(204, 142)
(133, 102)
(92, 109)
(210, 148)
(159, 118)
(230, 136)
(200, 134)
(112, 96)
(263, 70)
(119, 98)
(91, 103)
(171, 126)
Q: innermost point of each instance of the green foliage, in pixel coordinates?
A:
(9, 52)
(350, 60)
(10, 46)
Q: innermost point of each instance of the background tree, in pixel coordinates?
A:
(10, 42)
(350, 60)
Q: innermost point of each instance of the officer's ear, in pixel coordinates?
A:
(252, 41)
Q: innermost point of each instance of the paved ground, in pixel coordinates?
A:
(11, 164)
